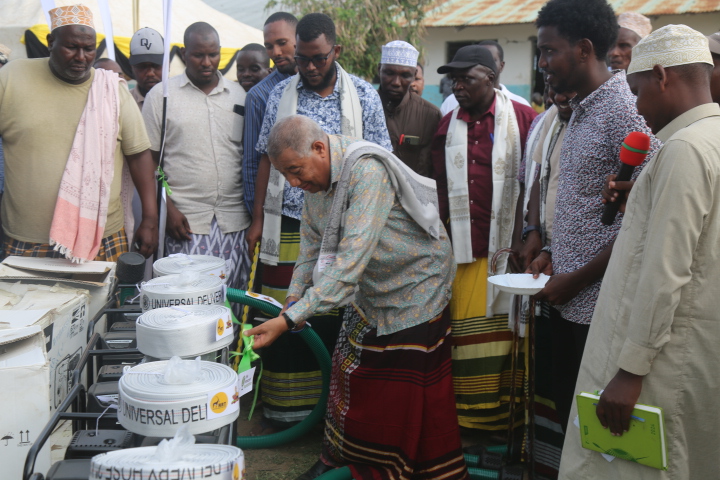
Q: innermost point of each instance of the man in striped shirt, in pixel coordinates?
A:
(279, 37)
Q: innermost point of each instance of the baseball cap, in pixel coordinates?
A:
(469, 56)
(146, 45)
(714, 43)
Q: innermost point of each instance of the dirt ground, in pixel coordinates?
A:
(279, 463)
(287, 462)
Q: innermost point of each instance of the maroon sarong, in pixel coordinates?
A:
(391, 410)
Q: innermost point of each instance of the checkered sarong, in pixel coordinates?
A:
(231, 247)
(111, 248)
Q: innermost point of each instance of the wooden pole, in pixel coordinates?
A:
(136, 15)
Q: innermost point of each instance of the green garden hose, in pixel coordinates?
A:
(343, 473)
(323, 358)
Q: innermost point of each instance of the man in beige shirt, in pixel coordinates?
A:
(655, 332)
(203, 154)
(41, 102)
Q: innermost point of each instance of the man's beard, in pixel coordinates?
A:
(68, 73)
(326, 81)
(289, 68)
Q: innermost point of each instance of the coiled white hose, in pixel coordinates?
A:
(157, 398)
(186, 288)
(184, 331)
(174, 459)
(178, 262)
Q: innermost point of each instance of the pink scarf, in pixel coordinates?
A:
(82, 206)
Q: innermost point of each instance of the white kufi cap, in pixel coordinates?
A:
(670, 46)
(398, 52)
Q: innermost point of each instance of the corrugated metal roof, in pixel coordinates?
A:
(457, 13)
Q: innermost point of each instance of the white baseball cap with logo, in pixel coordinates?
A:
(146, 46)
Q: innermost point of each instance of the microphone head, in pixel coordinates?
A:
(635, 148)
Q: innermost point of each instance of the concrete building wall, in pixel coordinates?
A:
(518, 43)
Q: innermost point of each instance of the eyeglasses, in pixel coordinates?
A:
(318, 61)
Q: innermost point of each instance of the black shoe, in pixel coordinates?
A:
(315, 471)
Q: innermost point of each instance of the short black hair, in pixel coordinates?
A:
(199, 28)
(312, 25)
(493, 43)
(289, 18)
(578, 19)
(256, 47)
(103, 60)
(696, 73)
(253, 47)
(421, 66)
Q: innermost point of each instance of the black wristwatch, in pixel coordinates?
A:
(530, 228)
(290, 324)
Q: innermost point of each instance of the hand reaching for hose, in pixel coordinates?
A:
(267, 332)
(177, 225)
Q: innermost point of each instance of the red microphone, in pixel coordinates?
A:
(633, 151)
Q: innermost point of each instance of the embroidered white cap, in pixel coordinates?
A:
(670, 46)
(398, 52)
(636, 22)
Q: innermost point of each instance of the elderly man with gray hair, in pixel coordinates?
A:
(371, 237)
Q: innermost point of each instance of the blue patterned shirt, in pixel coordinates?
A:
(326, 112)
(255, 103)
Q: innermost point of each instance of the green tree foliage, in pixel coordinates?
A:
(364, 26)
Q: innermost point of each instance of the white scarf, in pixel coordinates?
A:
(549, 146)
(506, 157)
(81, 209)
(416, 194)
(350, 126)
(531, 167)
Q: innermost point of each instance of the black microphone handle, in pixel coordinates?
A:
(611, 209)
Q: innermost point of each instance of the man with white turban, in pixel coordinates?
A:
(411, 121)
(654, 334)
(633, 28)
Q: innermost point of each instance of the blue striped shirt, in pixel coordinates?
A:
(255, 103)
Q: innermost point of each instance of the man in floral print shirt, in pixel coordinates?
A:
(573, 39)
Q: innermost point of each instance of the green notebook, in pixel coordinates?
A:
(643, 443)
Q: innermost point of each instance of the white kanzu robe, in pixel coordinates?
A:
(658, 313)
